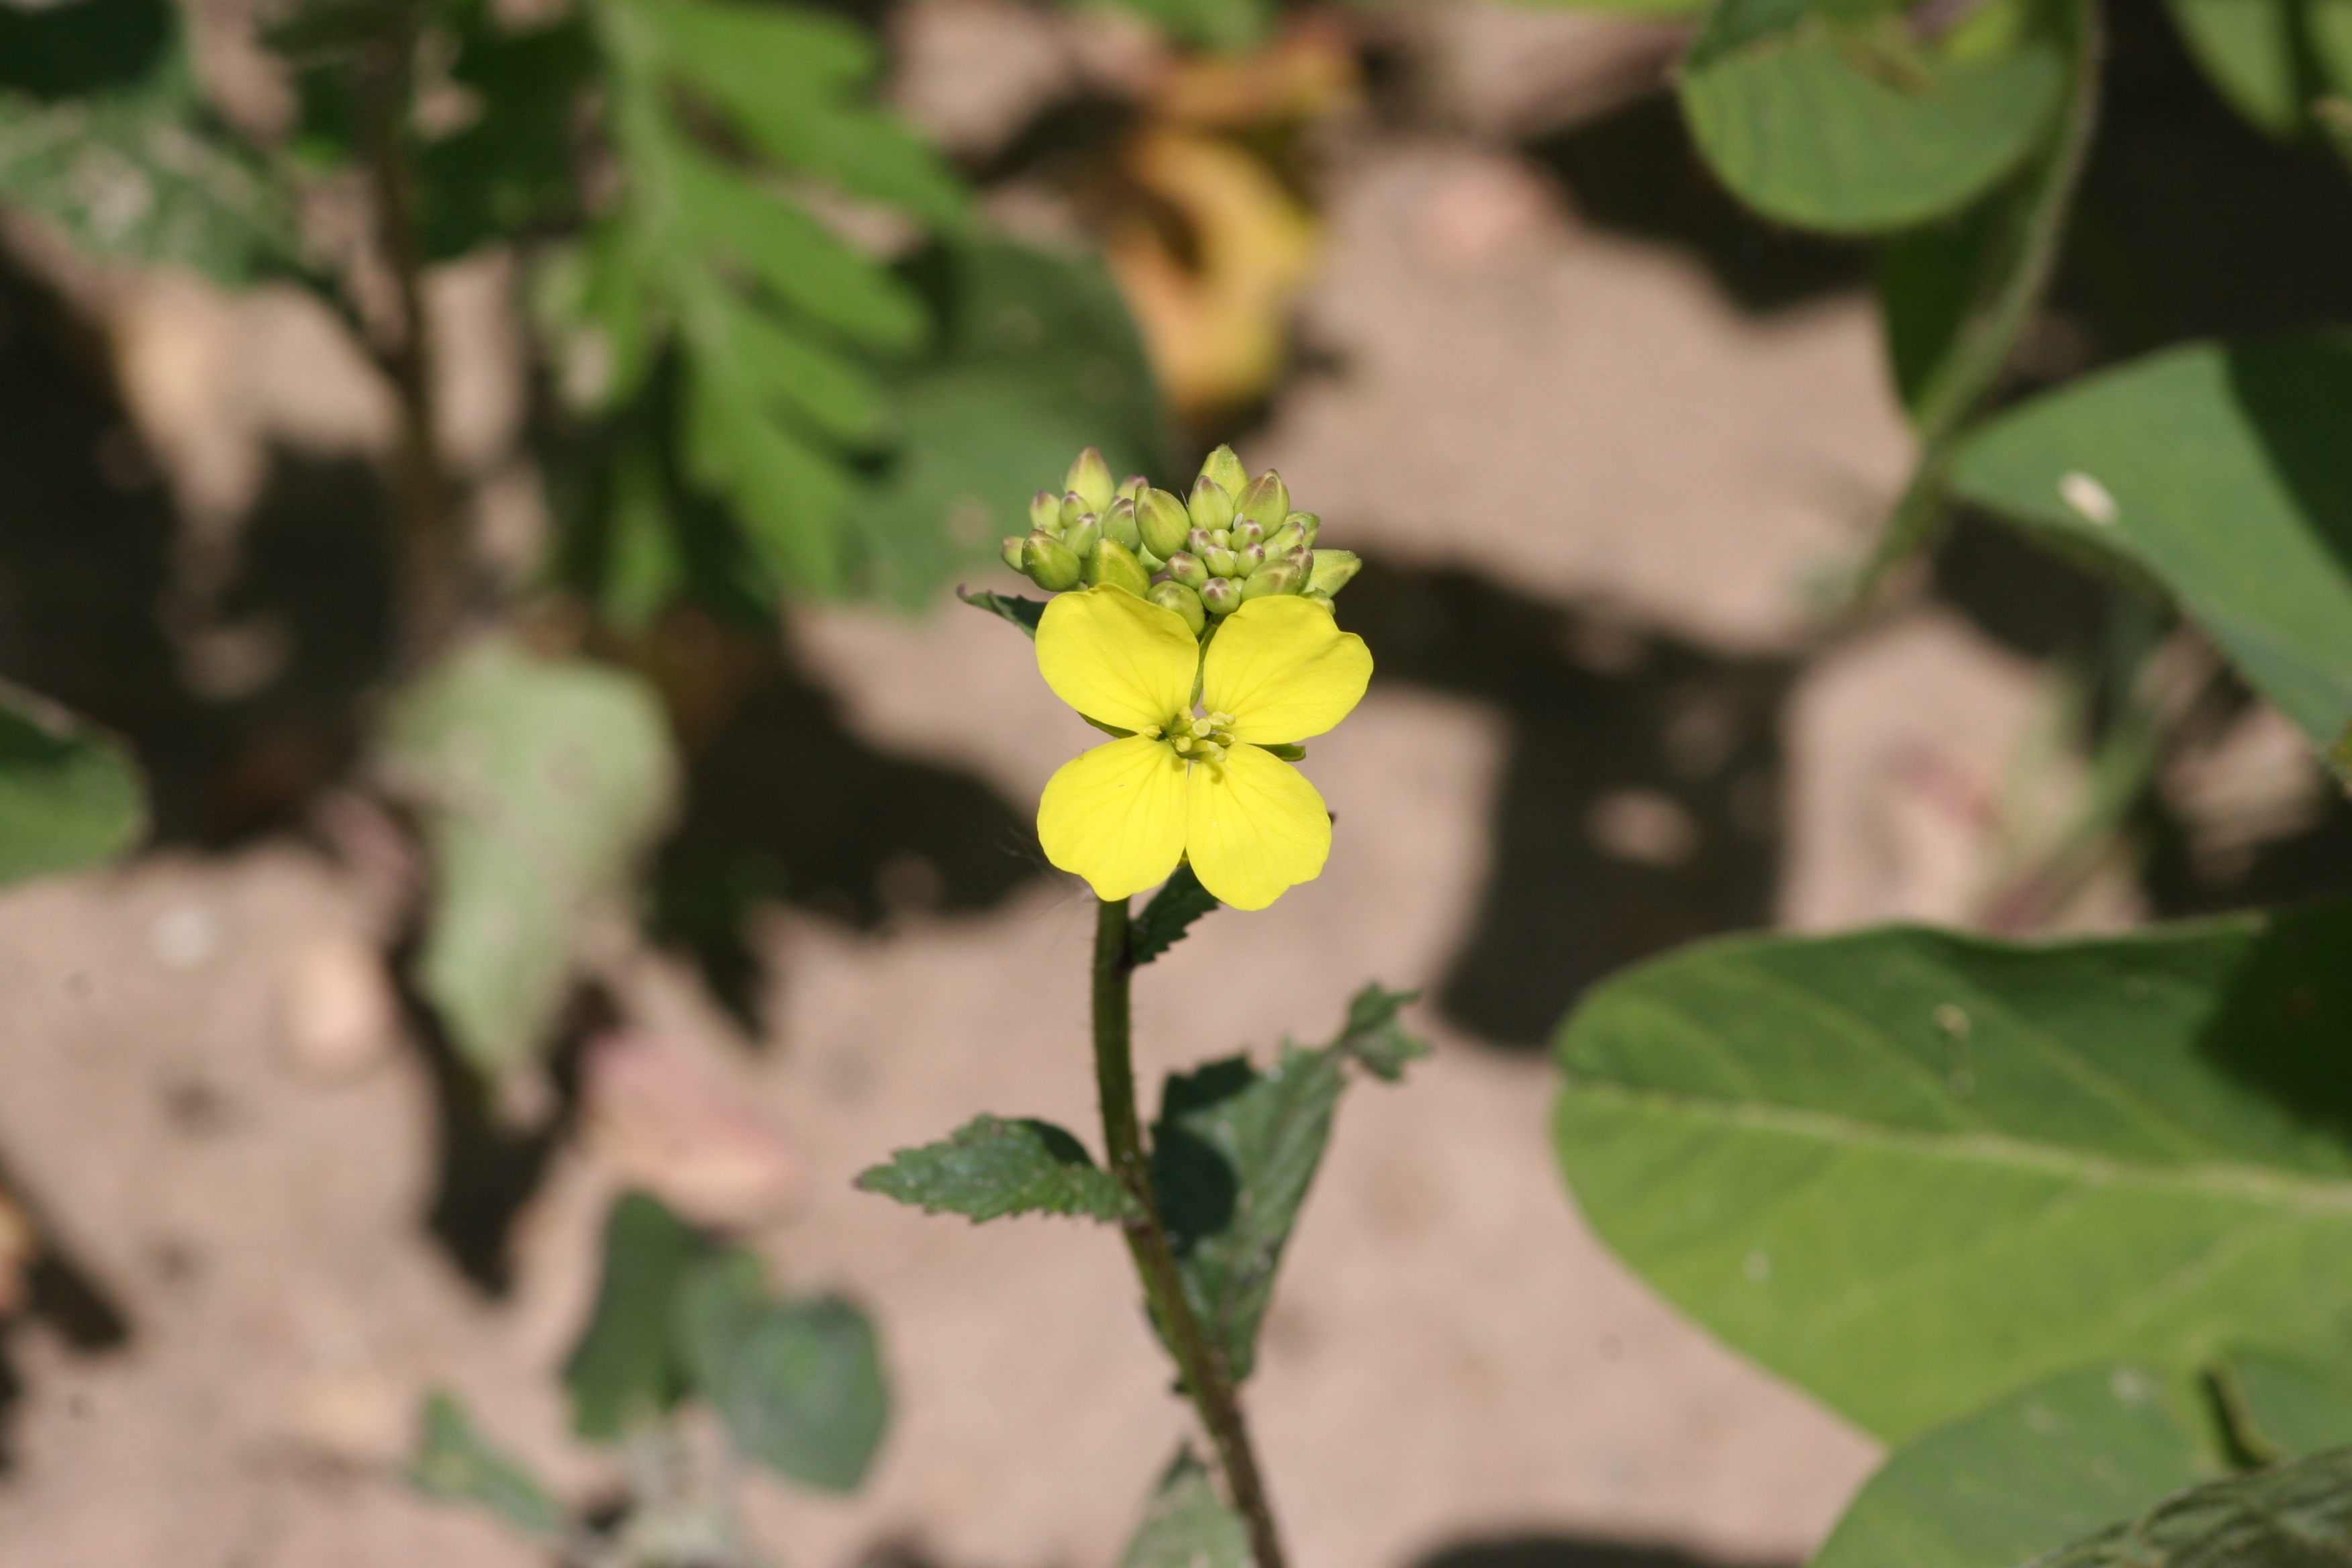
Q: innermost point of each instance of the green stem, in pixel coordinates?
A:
(1207, 1380)
(1989, 336)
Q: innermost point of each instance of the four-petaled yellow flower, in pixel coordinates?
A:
(1192, 781)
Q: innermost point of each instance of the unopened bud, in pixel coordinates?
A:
(1114, 563)
(1089, 480)
(1080, 536)
(1176, 596)
(1132, 487)
(1308, 525)
(1118, 523)
(1218, 561)
(1226, 470)
(1222, 538)
(1046, 511)
(1302, 561)
(1334, 568)
(1247, 560)
(1016, 552)
(1074, 507)
(1164, 522)
(1221, 595)
(1210, 506)
(1284, 540)
(1053, 564)
(1265, 497)
(1187, 569)
(1314, 597)
(1280, 578)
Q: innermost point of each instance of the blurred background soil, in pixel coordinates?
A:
(1609, 447)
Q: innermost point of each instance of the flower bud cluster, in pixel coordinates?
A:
(1233, 539)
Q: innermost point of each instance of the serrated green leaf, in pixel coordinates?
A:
(623, 1372)
(2047, 1465)
(1169, 915)
(990, 1167)
(1186, 1524)
(1374, 1038)
(70, 798)
(2280, 1407)
(1233, 1154)
(783, 369)
(2219, 470)
(454, 1463)
(799, 1384)
(1909, 1170)
(539, 783)
(2296, 1515)
(1022, 613)
(1834, 116)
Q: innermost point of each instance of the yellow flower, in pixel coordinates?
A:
(1192, 780)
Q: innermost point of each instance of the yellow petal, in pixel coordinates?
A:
(1283, 670)
(1116, 658)
(1116, 815)
(1255, 825)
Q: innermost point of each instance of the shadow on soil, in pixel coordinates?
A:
(1638, 802)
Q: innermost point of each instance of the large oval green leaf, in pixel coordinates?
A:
(1833, 116)
(2296, 1515)
(1908, 1170)
(2048, 1464)
(2221, 471)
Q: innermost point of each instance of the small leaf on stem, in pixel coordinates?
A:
(992, 1167)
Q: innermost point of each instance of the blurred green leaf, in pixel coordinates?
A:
(1186, 1524)
(1218, 24)
(1910, 1171)
(1928, 278)
(456, 1463)
(1036, 359)
(513, 170)
(2268, 58)
(992, 1167)
(623, 1372)
(799, 1384)
(2280, 1406)
(1835, 115)
(130, 167)
(70, 798)
(2222, 471)
(539, 783)
(1233, 1153)
(2049, 1464)
(1169, 915)
(2296, 1515)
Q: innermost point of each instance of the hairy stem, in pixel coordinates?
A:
(1207, 1379)
(432, 590)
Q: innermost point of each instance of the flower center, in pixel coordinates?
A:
(1198, 736)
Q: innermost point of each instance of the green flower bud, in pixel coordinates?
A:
(1226, 470)
(1245, 531)
(1210, 505)
(1118, 523)
(1184, 602)
(1080, 536)
(1089, 480)
(1312, 597)
(1116, 564)
(1221, 595)
(1284, 540)
(1246, 561)
(1199, 540)
(1164, 522)
(1046, 511)
(1016, 552)
(1152, 562)
(1334, 568)
(1309, 525)
(1265, 498)
(1302, 561)
(1132, 487)
(1222, 538)
(1219, 562)
(1187, 569)
(1052, 565)
(1280, 578)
